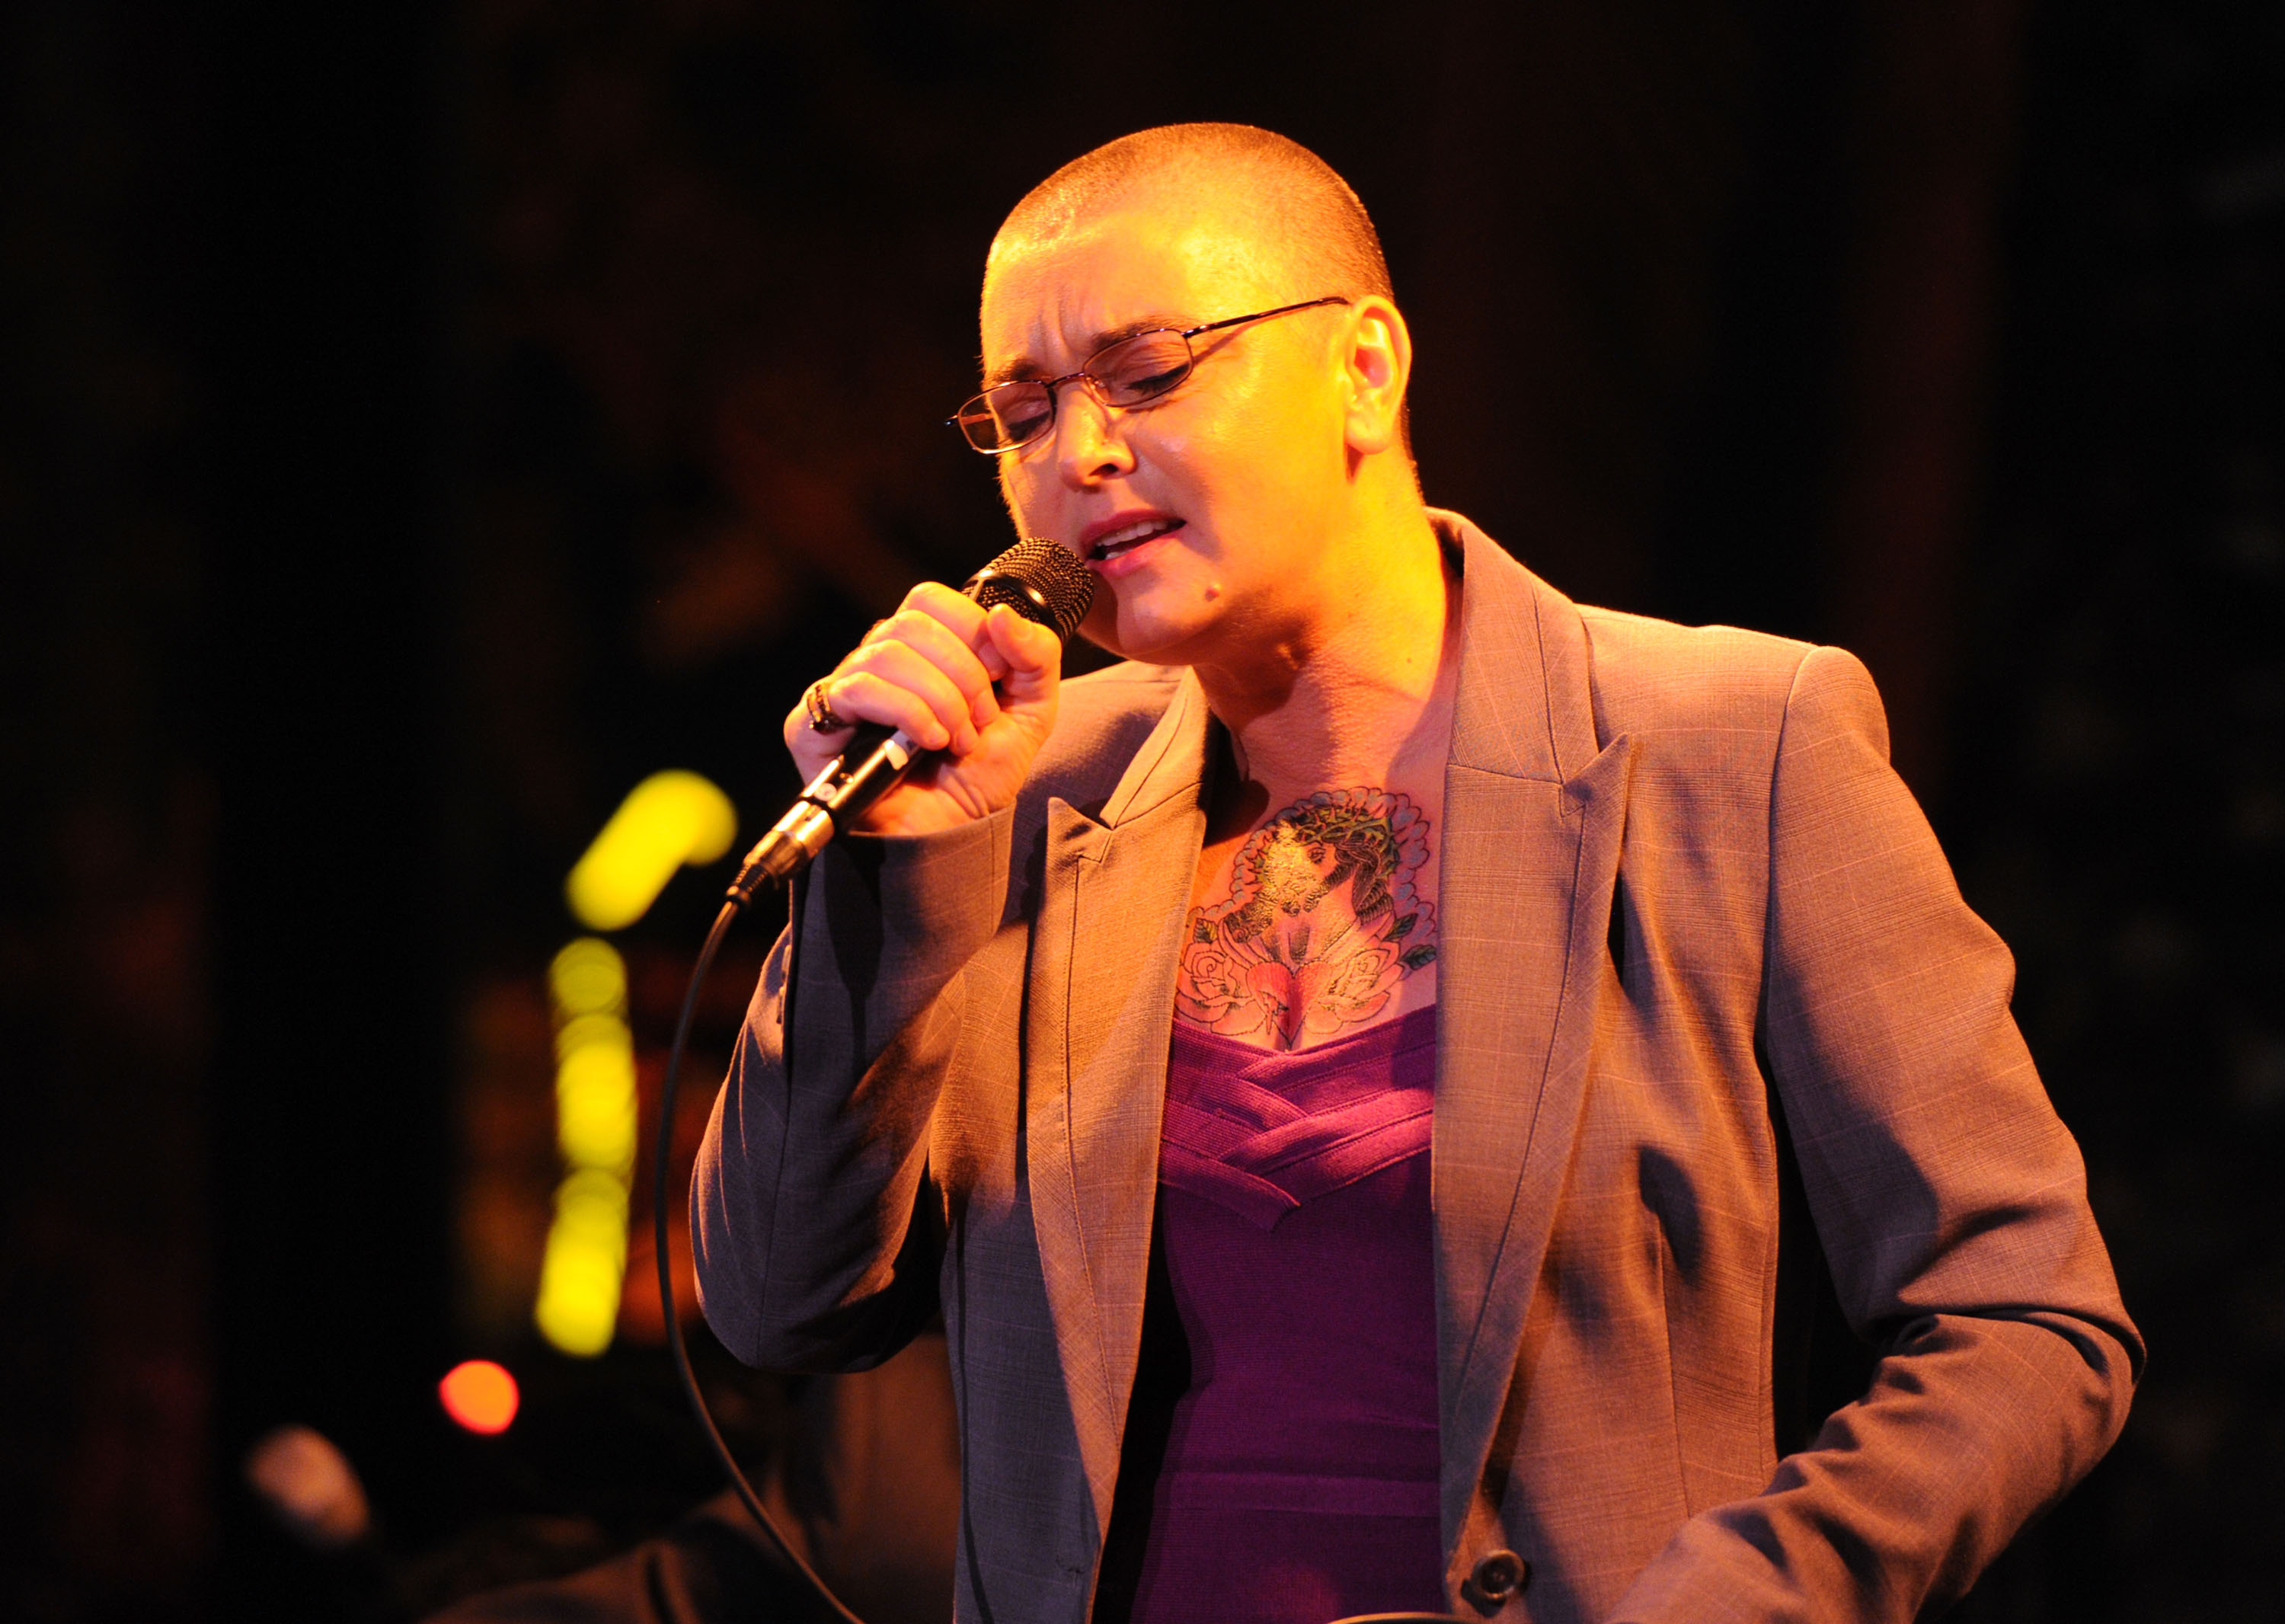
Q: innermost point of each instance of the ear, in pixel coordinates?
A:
(1376, 365)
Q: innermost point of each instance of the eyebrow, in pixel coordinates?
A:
(1027, 369)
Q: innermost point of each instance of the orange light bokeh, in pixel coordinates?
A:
(480, 1395)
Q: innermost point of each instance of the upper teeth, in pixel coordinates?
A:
(1131, 533)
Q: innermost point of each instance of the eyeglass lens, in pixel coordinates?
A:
(1122, 374)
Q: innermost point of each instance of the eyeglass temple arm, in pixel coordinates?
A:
(1283, 309)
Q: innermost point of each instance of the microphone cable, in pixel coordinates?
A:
(1044, 584)
(662, 1177)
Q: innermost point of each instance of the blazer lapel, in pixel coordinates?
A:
(1106, 947)
(1533, 816)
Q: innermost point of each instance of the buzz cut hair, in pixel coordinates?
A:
(1310, 217)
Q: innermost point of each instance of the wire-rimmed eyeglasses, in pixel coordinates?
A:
(1139, 368)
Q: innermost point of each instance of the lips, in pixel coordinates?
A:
(1111, 539)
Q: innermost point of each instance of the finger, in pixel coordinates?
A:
(801, 739)
(962, 616)
(899, 665)
(937, 643)
(1033, 653)
(874, 699)
(955, 610)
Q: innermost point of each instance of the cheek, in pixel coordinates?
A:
(1250, 478)
(1227, 450)
(1270, 442)
(1029, 489)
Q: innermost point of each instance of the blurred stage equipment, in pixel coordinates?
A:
(1042, 582)
(310, 1486)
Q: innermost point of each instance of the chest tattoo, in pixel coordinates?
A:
(1321, 921)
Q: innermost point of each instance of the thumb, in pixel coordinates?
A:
(1034, 656)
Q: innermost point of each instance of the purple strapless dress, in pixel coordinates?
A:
(1280, 1458)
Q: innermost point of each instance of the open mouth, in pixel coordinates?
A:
(1117, 542)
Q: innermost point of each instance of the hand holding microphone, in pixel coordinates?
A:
(908, 735)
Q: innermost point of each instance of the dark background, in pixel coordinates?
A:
(418, 423)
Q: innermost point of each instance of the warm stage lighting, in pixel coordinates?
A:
(670, 819)
(480, 1395)
(595, 1094)
(588, 977)
(585, 1262)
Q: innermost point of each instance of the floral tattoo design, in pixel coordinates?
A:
(1320, 923)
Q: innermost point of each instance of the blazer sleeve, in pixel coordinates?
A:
(1950, 1200)
(814, 1250)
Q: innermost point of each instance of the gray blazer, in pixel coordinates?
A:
(1681, 886)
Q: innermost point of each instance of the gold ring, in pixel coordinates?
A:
(821, 719)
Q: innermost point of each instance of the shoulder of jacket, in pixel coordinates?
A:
(1652, 676)
(1102, 719)
(1115, 696)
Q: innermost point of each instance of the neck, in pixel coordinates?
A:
(1358, 691)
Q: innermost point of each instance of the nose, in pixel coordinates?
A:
(1090, 440)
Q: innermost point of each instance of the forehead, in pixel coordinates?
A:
(1049, 301)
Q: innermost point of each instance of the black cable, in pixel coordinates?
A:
(662, 1176)
(1042, 582)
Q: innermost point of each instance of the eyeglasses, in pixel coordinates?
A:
(1142, 366)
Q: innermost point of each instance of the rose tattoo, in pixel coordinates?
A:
(1320, 923)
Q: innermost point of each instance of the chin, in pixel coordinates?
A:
(1133, 632)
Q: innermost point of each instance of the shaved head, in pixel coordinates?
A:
(1294, 220)
(1241, 502)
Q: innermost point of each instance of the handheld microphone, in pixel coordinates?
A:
(1039, 581)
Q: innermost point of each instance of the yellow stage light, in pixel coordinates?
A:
(596, 1103)
(581, 1273)
(586, 1264)
(670, 819)
(587, 977)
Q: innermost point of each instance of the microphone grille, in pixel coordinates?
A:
(1039, 581)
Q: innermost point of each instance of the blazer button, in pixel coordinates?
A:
(1500, 1575)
